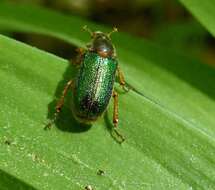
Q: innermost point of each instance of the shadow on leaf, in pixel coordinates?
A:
(65, 120)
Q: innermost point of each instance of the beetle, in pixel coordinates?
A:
(93, 85)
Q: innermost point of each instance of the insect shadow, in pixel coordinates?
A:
(65, 120)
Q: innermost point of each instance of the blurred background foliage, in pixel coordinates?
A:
(165, 22)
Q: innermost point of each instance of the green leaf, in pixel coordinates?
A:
(168, 119)
(203, 11)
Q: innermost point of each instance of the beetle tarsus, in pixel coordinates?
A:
(120, 137)
(116, 117)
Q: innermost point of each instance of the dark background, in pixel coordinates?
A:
(164, 22)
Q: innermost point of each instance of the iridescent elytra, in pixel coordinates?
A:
(93, 86)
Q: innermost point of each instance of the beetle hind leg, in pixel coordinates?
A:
(116, 117)
(59, 105)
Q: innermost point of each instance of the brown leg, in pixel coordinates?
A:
(115, 109)
(59, 105)
(116, 115)
(78, 58)
(122, 80)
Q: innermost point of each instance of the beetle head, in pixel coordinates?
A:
(101, 43)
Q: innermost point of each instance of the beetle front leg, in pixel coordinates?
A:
(122, 79)
(78, 58)
(116, 115)
(59, 105)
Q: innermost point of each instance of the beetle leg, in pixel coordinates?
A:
(116, 115)
(61, 101)
(115, 109)
(122, 79)
(59, 105)
(78, 58)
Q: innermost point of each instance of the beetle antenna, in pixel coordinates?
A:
(86, 29)
(111, 32)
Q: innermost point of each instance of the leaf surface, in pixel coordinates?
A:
(167, 119)
(203, 11)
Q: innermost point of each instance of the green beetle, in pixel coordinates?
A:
(93, 85)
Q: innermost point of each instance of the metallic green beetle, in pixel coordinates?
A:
(93, 86)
